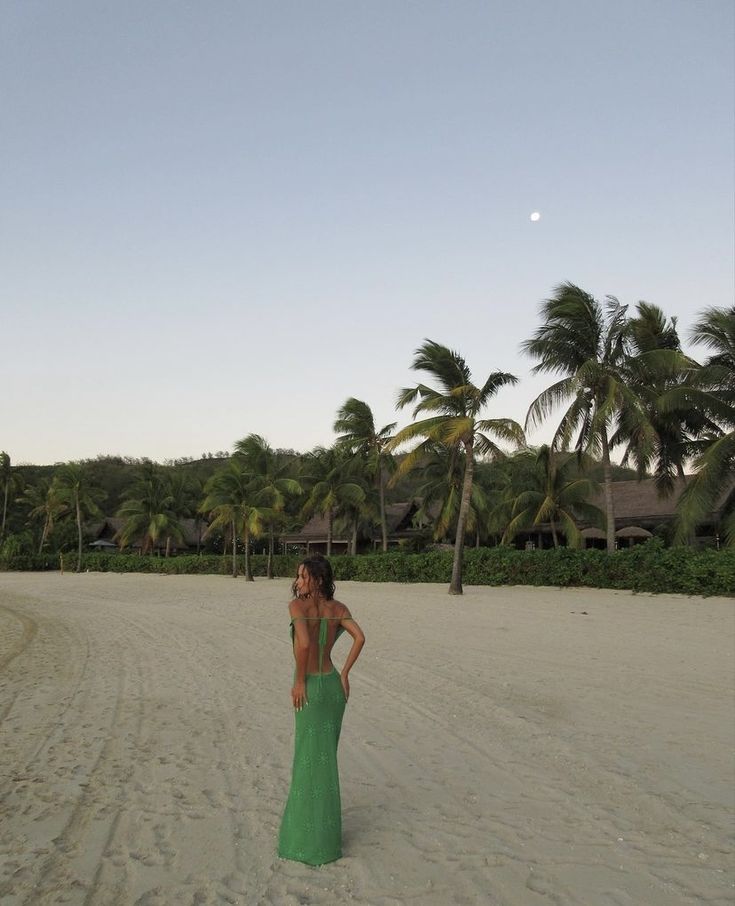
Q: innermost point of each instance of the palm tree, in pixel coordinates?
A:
(45, 505)
(454, 408)
(331, 487)
(439, 488)
(149, 512)
(712, 390)
(664, 439)
(588, 346)
(235, 503)
(276, 484)
(185, 491)
(557, 495)
(355, 425)
(82, 498)
(10, 483)
(357, 515)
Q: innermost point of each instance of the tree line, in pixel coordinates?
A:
(621, 380)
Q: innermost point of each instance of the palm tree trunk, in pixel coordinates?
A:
(329, 532)
(5, 508)
(455, 586)
(609, 505)
(44, 534)
(79, 531)
(168, 545)
(353, 545)
(234, 551)
(269, 566)
(383, 522)
(553, 533)
(248, 573)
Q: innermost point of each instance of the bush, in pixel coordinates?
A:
(30, 562)
(648, 567)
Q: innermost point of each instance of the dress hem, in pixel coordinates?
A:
(308, 862)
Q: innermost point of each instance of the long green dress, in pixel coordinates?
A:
(311, 828)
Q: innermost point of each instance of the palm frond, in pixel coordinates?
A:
(548, 400)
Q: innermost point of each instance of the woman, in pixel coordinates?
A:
(311, 829)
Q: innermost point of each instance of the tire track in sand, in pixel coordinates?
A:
(29, 628)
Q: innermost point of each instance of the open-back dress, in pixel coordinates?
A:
(311, 828)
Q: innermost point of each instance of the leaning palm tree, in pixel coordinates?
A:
(276, 483)
(358, 434)
(234, 502)
(557, 495)
(81, 497)
(587, 344)
(452, 410)
(712, 391)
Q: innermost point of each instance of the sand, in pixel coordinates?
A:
(500, 748)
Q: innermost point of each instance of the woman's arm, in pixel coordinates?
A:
(358, 640)
(300, 653)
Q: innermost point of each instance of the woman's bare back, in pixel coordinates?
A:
(322, 623)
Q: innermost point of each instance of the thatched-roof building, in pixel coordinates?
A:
(640, 512)
(312, 538)
(108, 530)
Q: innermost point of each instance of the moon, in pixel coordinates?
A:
(535, 217)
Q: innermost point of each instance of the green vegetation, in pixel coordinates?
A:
(79, 496)
(332, 489)
(553, 493)
(359, 437)
(649, 567)
(622, 381)
(711, 391)
(453, 411)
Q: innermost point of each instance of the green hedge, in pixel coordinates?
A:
(647, 567)
(31, 562)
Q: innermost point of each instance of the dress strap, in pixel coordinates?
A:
(322, 641)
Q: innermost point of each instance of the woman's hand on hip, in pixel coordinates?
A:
(298, 695)
(345, 685)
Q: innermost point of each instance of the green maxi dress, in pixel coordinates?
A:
(311, 828)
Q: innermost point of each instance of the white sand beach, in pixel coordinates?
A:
(516, 746)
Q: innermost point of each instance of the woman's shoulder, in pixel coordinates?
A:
(341, 610)
(296, 608)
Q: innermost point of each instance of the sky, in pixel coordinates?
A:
(227, 218)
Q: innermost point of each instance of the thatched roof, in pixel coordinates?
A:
(314, 531)
(398, 517)
(638, 502)
(109, 528)
(633, 531)
(593, 532)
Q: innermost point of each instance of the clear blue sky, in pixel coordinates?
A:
(229, 217)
